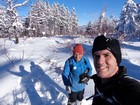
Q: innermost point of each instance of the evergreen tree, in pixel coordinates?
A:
(2, 22)
(89, 30)
(51, 20)
(74, 22)
(11, 23)
(127, 25)
(138, 21)
(104, 25)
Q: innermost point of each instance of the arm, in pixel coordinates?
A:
(65, 74)
(84, 77)
(89, 67)
(14, 73)
(130, 87)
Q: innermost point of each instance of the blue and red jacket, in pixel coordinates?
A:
(72, 71)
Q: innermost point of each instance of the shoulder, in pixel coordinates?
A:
(131, 83)
(126, 80)
(130, 88)
(85, 59)
(95, 78)
(129, 79)
(69, 59)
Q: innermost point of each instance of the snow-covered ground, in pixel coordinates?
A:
(30, 72)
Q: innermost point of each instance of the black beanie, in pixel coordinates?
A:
(101, 42)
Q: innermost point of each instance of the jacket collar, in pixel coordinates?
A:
(112, 81)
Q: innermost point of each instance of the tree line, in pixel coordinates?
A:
(46, 20)
(124, 28)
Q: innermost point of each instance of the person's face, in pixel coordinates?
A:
(105, 63)
(77, 56)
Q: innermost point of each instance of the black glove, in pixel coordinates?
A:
(84, 78)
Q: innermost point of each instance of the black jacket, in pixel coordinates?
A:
(121, 89)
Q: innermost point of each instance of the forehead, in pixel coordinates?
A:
(102, 52)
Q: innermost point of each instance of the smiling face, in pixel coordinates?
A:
(105, 63)
(77, 56)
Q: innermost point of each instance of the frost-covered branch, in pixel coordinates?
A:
(21, 4)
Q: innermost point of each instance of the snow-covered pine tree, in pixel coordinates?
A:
(89, 30)
(74, 21)
(11, 22)
(37, 19)
(51, 20)
(104, 25)
(3, 30)
(127, 24)
(138, 21)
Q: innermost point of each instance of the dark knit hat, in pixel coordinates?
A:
(78, 49)
(102, 42)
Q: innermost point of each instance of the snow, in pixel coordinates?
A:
(30, 71)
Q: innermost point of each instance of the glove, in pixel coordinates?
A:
(85, 80)
(68, 89)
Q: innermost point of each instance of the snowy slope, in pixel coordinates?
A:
(30, 72)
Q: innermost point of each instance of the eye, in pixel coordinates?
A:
(96, 56)
(107, 55)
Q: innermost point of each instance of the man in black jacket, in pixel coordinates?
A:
(112, 85)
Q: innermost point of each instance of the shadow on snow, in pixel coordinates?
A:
(47, 87)
(6, 66)
(132, 70)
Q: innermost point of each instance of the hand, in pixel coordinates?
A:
(85, 80)
(68, 89)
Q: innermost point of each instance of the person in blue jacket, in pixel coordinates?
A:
(76, 73)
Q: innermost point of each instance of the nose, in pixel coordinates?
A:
(100, 60)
